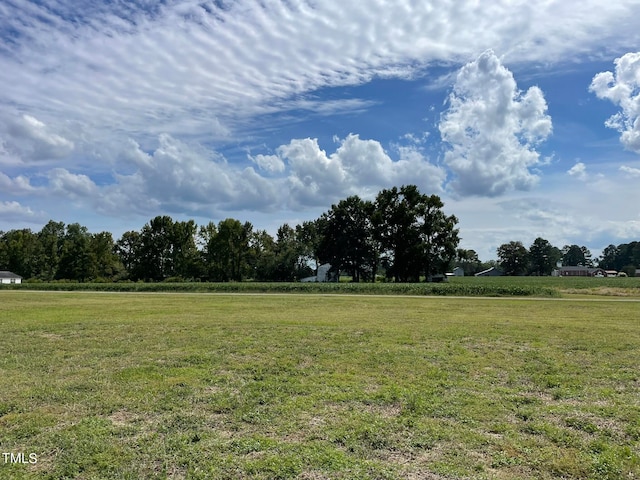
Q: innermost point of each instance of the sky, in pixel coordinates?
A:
(523, 116)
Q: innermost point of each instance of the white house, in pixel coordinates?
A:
(457, 272)
(8, 277)
(322, 276)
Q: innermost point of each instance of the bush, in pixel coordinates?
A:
(466, 289)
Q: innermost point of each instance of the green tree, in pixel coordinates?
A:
(628, 256)
(513, 258)
(129, 250)
(467, 260)
(184, 254)
(609, 258)
(574, 255)
(75, 258)
(543, 256)
(103, 261)
(413, 234)
(438, 236)
(289, 261)
(309, 239)
(155, 259)
(262, 256)
(19, 250)
(51, 239)
(346, 238)
(227, 251)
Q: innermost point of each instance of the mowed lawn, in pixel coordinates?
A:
(115, 385)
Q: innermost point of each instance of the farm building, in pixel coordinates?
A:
(9, 277)
(490, 272)
(457, 272)
(579, 271)
(324, 275)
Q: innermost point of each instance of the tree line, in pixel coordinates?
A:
(403, 235)
(542, 257)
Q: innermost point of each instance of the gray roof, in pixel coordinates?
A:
(7, 274)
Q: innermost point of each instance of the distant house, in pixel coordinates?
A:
(9, 277)
(490, 272)
(324, 275)
(457, 272)
(579, 271)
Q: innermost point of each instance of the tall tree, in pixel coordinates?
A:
(438, 236)
(19, 250)
(75, 260)
(347, 238)
(413, 233)
(184, 254)
(155, 259)
(543, 256)
(468, 260)
(309, 240)
(103, 261)
(289, 261)
(609, 258)
(51, 238)
(129, 251)
(513, 258)
(262, 257)
(574, 255)
(227, 251)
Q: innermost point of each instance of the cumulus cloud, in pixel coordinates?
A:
(268, 163)
(32, 139)
(77, 186)
(622, 88)
(631, 171)
(13, 211)
(579, 171)
(16, 185)
(176, 177)
(356, 167)
(492, 129)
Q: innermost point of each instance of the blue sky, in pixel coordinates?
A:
(522, 116)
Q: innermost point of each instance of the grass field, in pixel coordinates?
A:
(130, 386)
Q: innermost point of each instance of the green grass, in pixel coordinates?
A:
(128, 386)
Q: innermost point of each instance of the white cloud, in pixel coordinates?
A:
(14, 211)
(633, 172)
(623, 89)
(579, 170)
(31, 139)
(185, 78)
(176, 177)
(194, 68)
(17, 185)
(492, 129)
(357, 166)
(268, 163)
(77, 186)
